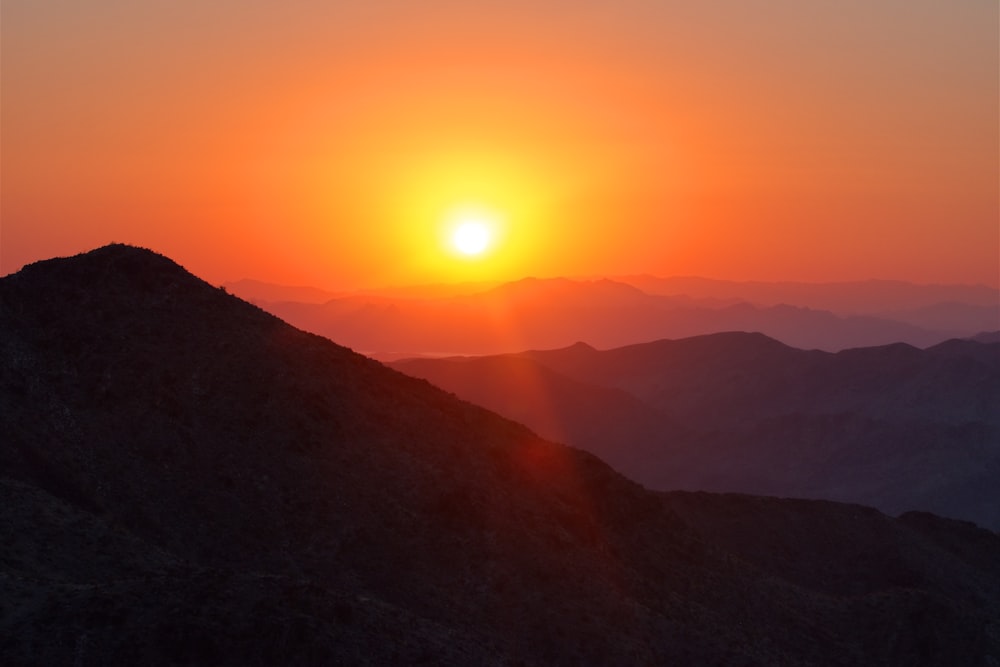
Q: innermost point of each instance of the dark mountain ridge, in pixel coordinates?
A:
(959, 378)
(188, 480)
(892, 426)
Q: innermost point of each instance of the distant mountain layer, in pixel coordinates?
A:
(550, 313)
(864, 297)
(895, 427)
(185, 479)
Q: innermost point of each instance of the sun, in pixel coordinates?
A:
(471, 236)
(472, 230)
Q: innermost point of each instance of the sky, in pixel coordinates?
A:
(336, 144)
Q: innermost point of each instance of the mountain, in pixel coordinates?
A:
(894, 426)
(608, 422)
(188, 480)
(550, 313)
(950, 316)
(256, 291)
(863, 297)
(986, 337)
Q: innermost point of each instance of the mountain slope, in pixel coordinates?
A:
(188, 480)
(610, 423)
(893, 426)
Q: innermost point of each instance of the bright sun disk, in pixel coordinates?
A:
(471, 237)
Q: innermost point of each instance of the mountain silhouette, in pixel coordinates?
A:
(550, 313)
(187, 479)
(894, 426)
(862, 297)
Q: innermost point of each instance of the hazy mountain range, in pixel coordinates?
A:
(188, 480)
(551, 313)
(895, 427)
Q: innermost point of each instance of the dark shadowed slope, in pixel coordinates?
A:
(188, 480)
(894, 426)
(611, 423)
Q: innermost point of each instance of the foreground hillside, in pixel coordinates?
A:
(895, 427)
(188, 480)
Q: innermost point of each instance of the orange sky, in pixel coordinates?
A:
(807, 141)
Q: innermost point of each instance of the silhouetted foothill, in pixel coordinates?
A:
(185, 479)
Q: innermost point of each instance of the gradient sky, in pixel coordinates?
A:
(325, 143)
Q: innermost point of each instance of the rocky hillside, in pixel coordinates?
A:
(188, 480)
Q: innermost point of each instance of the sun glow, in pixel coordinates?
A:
(461, 215)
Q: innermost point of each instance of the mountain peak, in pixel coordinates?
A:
(110, 253)
(107, 265)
